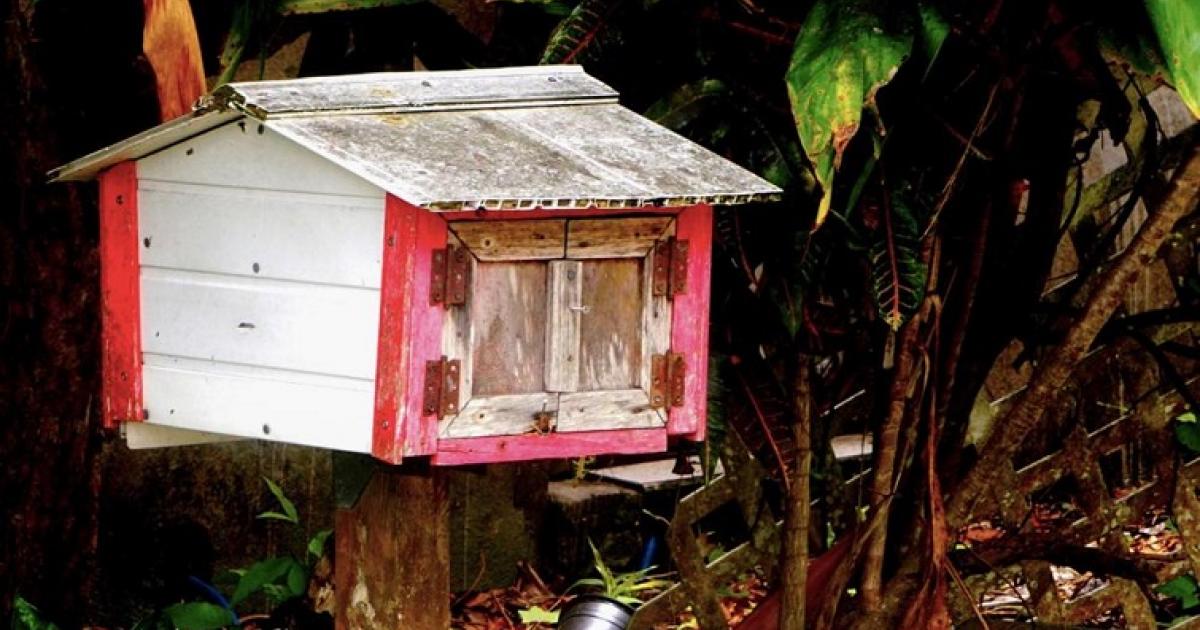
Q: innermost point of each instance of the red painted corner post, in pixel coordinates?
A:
(532, 446)
(410, 332)
(689, 323)
(120, 297)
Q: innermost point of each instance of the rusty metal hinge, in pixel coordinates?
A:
(670, 267)
(448, 276)
(667, 372)
(441, 387)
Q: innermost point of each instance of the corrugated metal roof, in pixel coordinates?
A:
(549, 137)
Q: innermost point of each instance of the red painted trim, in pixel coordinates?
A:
(410, 332)
(689, 323)
(120, 297)
(537, 213)
(530, 446)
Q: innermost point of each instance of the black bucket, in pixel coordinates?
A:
(593, 612)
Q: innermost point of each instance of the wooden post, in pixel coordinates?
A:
(392, 568)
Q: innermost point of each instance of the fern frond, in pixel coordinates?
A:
(580, 36)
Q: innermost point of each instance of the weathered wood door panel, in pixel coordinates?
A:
(564, 309)
(614, 238)
(617, 409)
(559, 326)
(513, 240)
(610, 345)
(508, 328)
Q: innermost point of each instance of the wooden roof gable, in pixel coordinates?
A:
(511, 138)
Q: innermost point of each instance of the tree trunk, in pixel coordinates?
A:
(1047, 382)
(49, 323)
(392, 564)
(795, 527)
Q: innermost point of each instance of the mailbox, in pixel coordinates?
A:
(473, 266)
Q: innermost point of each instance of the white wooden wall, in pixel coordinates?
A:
(260, 290)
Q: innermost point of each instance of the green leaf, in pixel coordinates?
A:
(1183, 589)
(609, 582)
(289, 509)
(26, 616)
(199, 616)
(259, 575)
(276, 594)
(297, 580)
(581, 35)
(934, 29)
(1188, 434)
(246, 14)
(1186, 416)
(316, 545)
(845, 52)
(897, 275)
(537, 614)
(1177, 25)
(277, 516)
(229, 577)
(650, 585)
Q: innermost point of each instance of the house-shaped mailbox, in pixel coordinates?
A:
(476, 266)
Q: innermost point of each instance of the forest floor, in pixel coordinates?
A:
(503, 608)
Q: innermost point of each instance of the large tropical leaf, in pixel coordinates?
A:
(897, 275)
(580, 35)
(845, 52)
(1177, 24)
(172, 48)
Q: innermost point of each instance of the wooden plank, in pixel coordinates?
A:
(564, 308)
(614, 238)
(539, 213)
(513, 240)
(657, 474)
(254, 402)
(610, 346)
(246, 154)
(499, 415)
(456, 333)
(604, 411)
(268, 234)
(656, 321)
(393, 553)
(516, 448)
(409, 332)
(317, 328)
(120, 299)
(689, 323)
(508, 336)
